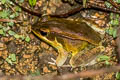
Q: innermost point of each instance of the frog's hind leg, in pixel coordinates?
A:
(77, 53)
(86, 58)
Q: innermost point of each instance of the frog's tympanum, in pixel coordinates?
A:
(70, 36)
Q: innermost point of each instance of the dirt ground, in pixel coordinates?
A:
(22, 53)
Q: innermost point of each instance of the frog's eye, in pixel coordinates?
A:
(43, 33)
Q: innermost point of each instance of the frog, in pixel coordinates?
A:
(71, 37)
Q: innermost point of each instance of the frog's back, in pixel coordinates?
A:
(76, 30)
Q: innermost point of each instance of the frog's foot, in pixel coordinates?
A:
(60, 59)
(63, 54)
(52, 63)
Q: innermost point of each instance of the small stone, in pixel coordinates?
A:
(12, 47)
(45, 69)
(113, 42)
(97, 14)
(1, 53)
(53, 67)
(2, 46)
(11, 38)
(100, 22)
(32, 48)
(39, 3)
(44, 45)
(4, 39)
(4, 54)
(31, 36)
(26, 56)
(51, 49)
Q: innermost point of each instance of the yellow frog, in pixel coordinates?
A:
(70, 36)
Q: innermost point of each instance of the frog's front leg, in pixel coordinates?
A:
(62, 52)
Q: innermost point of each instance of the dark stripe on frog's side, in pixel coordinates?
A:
(74, 30)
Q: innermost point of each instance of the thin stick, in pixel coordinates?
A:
(114, 4)
(9, 20)
(27, 10)
(73, 11)
(89, 73)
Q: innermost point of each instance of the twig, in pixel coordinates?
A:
(99, 6)
(89, 73)
(73, 11)
(11, 7)
(89, 5)
(118, 45)
(114, 4)
(27, 10)
(9, 20)
(51, 76)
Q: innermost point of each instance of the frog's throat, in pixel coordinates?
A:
(62, 52)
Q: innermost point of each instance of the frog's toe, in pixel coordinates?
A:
(53, 63)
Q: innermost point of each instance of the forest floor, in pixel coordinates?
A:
(22, 53)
